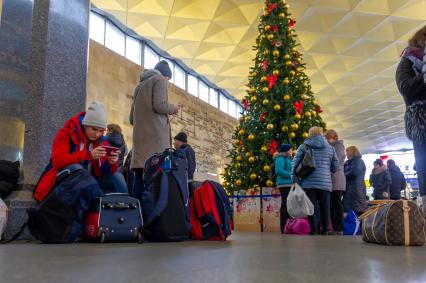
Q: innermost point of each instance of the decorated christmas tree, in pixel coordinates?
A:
(279, 106)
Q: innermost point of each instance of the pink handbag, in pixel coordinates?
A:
(298, 226)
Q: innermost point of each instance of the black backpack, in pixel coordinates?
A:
(307, 165)
(9, 175)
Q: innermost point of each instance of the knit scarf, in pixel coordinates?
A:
(417, 56)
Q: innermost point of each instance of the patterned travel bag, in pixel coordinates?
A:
(394, 223)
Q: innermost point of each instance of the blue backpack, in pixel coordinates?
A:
(351, 224)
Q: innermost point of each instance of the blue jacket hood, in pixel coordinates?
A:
(316, 142)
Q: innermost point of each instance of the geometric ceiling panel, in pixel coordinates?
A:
(351, 49)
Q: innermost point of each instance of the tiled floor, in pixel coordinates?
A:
(245, 257)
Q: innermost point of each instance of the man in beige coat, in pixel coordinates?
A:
(150, 119)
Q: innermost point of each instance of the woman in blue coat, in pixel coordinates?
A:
(283, 165)
(318, 184)
(355, 197)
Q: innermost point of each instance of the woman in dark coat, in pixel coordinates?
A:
(381, 180)
(355, 195)
(411, 82)
(398, 180)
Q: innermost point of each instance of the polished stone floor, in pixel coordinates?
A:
(246, 257)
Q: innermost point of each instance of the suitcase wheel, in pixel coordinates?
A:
(102, 237)
(140, 237)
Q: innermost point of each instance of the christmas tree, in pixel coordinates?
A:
(279, 106)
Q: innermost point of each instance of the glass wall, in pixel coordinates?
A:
(104, 31)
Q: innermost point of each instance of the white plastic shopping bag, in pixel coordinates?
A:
(3, 217)
(298, 203)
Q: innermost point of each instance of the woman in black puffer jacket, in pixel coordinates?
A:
(411, 82)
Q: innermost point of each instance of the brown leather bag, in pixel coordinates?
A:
(394, 223)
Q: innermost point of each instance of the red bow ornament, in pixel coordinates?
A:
(271, 7)
(298, 106)
(292, 23)
(318, 109)
(272, 147)
(245, 103)
(265, 65)
(274, 28)
(262, 117)
(272, 80)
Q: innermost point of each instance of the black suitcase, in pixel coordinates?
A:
(115, 217)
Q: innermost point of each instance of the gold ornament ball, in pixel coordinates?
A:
(276, 53)
(250, 137)
(241, 132)
(288, 63)
(238, 165)
(299, 59)
(270, 36)
(269, 183)
(236, 142)
(253, 99)
(263, 78)
(262, 37)
(314, 102)
(286, 97)
(281, 15)
(270, 127)
(292, 73)
(267, 27)
(266, 168)
(248, 154)
(297, 116)
(314, 113)
(295, 126)
(251, 159)
(277, 107)
(265, 89)
(292, 135)
(286, 81)
(252, 90)
(253, 177)
(305, 135)
(239, 158)
(300, 69)
(276, 72)
(287, 6)
(287, 57)
(284, 129)
(308, 114)
(305, 84)
(294, 49)
(305, 97)
(265, 102)
(238, 182)
(247, 119)
(264, 148)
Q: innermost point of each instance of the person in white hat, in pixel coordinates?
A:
(81, 142)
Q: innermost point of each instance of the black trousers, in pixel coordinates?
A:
(337, 210)
(322, 209)
(284, 216)
(420, 156)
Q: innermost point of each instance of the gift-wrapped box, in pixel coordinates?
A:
(271, 209)
(247, 211)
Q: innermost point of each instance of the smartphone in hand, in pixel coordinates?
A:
(110, 149)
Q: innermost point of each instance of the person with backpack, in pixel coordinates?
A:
(283, 165)
(355, 197)
(338, 181)
(381, 180)
(317, 184)
(398, 183)
(180, 142)
(81, 143)
(149, 117)
(115, 138)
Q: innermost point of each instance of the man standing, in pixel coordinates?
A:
(181, 144)
(150, 119)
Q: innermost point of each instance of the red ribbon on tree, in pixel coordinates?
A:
(271, 7)
(272, 147)
(318, 109)
(262, 116)
(272, 80)
(265, 65)
(292, 23)
(298, 106)
(245, 103)
(274, 28)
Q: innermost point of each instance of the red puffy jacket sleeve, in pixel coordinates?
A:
(61, 156)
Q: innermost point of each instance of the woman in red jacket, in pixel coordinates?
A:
(80, 143)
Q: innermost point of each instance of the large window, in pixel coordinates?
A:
(111, 34)
(151, 58)
(223, 103)
(214, 97)
(203, 91)
(114, 39)
(193, 85)
(133, 50)
(97, 28)
(179, 79)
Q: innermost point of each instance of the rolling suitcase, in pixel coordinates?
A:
(115, 217)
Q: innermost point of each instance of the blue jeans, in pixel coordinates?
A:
(114, 183)
(138, 185)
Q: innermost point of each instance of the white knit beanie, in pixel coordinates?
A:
(96, 115)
